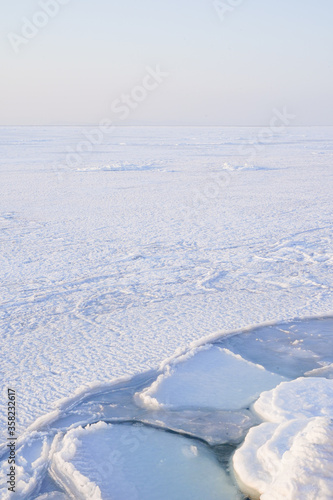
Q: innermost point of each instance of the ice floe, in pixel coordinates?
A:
(290, 456)
(292, 460)
(304, 397)
(137, 462)
(208, 377)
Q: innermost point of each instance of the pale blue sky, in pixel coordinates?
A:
(264, 54)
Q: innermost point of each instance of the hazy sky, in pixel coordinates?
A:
(229, 64)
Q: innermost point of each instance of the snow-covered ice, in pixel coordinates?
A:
(301, 398)
(106, 273)
(292, 460)
(154, 242)
(291, 456)
(123, 462)
(208, 377)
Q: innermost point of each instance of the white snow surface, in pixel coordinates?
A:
(157, 238)
(123, 462)
(292, 460)
(208, 377)
(301, 398)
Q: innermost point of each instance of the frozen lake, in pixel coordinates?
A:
(115, 259)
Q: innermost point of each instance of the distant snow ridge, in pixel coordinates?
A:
(291, 457)
(246, 166)
(124, 166)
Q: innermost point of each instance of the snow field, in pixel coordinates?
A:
(110, 266)
(158, 239)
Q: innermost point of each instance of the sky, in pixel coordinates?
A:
(171, 62)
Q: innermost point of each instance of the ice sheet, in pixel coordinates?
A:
(292, 460)
(208, 377)
(135, 462)
(291, 349)
(215, 427)
(107, 272)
